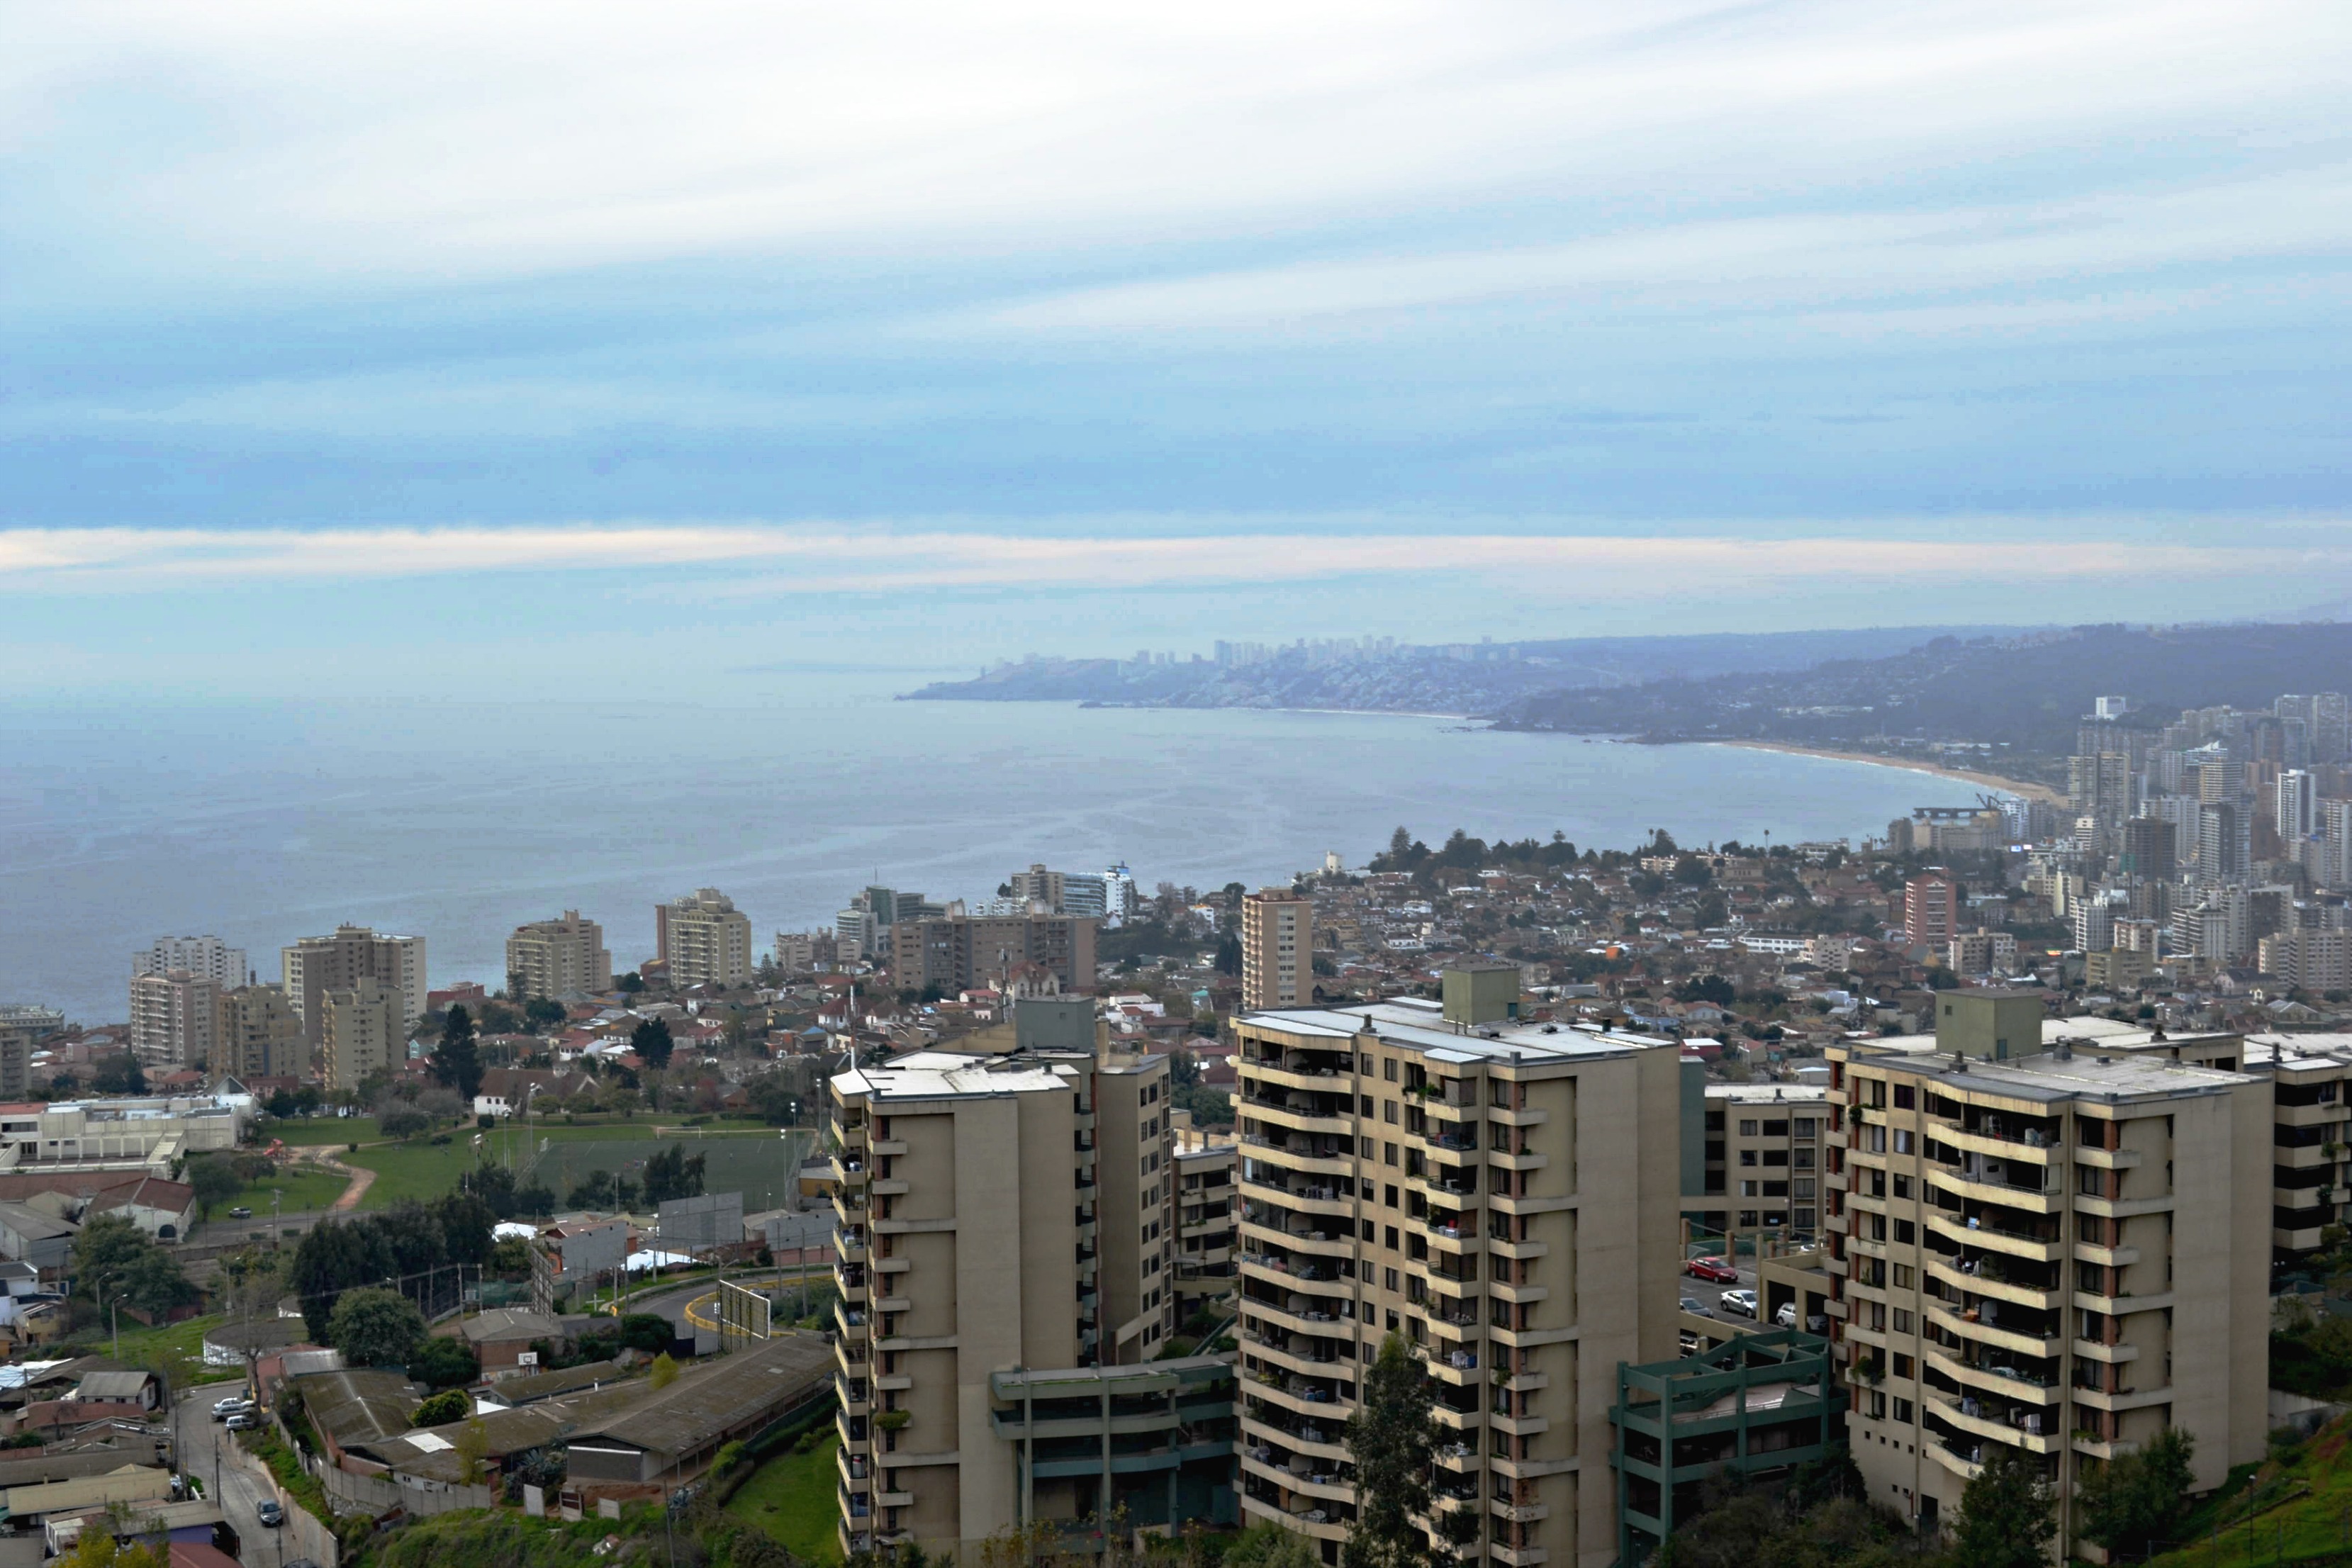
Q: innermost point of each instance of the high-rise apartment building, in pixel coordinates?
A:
(957, 952)
(1009, 1207)
(2316, 960)
(172, 1019)
(2297, 804)
(1762, 1168)
(1505, 1197)
(361, 1033)
(1278, 949)
(317, 964)
(257, 1035)
(703, 940)
(2223, 834)
(561, 957)
(207, 957)
(1206, 1214)
(2057, 1252)
(1930, 910)
(2150, 849)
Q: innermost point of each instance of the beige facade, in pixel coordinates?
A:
(362, 1034)
(2062, 1253)
(1207, 1168)
(317, 964)
(704, 940)
(561, 957)
(257, 1035)
(1278, 949)
(1505, 1196)
(1764, 1158)
(957, 952)
(172, 1019)
(994, 1212)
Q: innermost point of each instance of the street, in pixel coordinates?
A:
(199, 1442)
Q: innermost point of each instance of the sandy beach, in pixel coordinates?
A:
(1962, 776)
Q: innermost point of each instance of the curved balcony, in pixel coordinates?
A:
(1325, 1243)
(1326, 1439)
(1989, 1182)
(1298, 1111)
(1312, 1397)
(1299, 1475)
(1453, 1232)
(1965, 1324)
(1984, 1277)
(1309, 1355)
(1301, 1152)
(1309, 1275)
(1322, 1522)
(1988, 1231)
(2020, 1382)
(1318, 1071)
(1992, 1421)
(1321, 1197)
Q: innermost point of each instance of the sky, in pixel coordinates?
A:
(530, 346)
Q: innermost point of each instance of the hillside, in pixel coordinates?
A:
(2022, 693)
(1479, 678)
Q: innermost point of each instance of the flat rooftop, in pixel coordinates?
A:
(1422, 1026)
(2081, 1076)
(1770, 1093)
(945, 1075)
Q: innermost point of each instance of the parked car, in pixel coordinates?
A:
(242, 1421)
(240, 1212)
(269, 1513)
(224, 1408)
(1713, 1269)
(1696, 1308)
(1740, 1303)
(1787, 1316)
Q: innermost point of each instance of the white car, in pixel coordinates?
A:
(1787, 1316)
(233, 1404)
(1740, 1303)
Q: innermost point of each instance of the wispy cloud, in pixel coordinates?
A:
(816, 558)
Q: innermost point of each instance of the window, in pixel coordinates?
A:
(1776, 1129)
(1902, 1144)
(1907, 1097)
(1364, 1147)
(1903, 1277)
(1802, 1219)
(1902, 1186)
(1748, 1156)
(1905, 1233)
(1363, 1105)
(1364, 1063)
(1747, 1189)
(1389, 1280)
(1714, 1119)
(1776, 1189)
(1388, 1154)
(1903, 1410)
(1389, 1241)
(1390, 1200)
(1902, 1320)
(1388, 1069)
(1804, 1160)
(1804, 1186)
(1747, 1129)
(1904, 1367)
(1372, 1232)
(1776, 1156)
(1389, 1112)
(1805, 1127)
(1748, 1217)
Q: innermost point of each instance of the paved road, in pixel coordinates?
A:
(691, 1307)
(199, 1436)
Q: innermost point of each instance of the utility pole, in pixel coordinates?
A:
(115, 1308)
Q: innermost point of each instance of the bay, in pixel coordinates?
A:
(263, 822)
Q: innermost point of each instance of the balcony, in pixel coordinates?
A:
(849, 1242)
(1987, 1232)
(1984, 1277)
(2024, 1429)
(1968, 1324)
(1299, 1151)
(2011, 1381)
(849, 1171)
(1300, 1314)
(1295, 1069)
(1329, 1243)
(2041, 1191)
(1302, 1113)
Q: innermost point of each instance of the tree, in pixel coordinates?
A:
(442, 1408)
(544, 1015)
(1390, 1437)
(405, 1122)
(1229, 954)
(773, 1099)
(376, 1327)
(631, 983)
(104, 1255)
(672, 1176)
(444, 1361)
(331, 1261)
(652, 1042)
(1268, 1545)
(2139, 1501)
(2008, 1515)
(155, 1283)
(118, 1075)
(646, 1331)
(472, 1449)
(214, 1181)
(663, 1373)
(458, 1059)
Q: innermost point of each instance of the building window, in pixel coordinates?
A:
(1903, 1410)
(1902, 1320)
(1748, 1156)
(1388, 1154)
(1804, 1160)
(1747, 1189)
(1388, 1069)
(1776, 1129)
(1389, 1112)
(1906, 1097)
(1803, 1187)
(1748, 1217)
(1805, 1125)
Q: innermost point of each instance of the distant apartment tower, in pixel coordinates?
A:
(361, 1033)
(957, 952)
(172, 1015)
(317, 964)
(1762, 1165)
(1278, 949)
(1982, 953)
(205, 956)
(1062, 892)
(561, 957)
(2297, 804)
(1505, 1200)
(703, 940)
(995, 1211)
(2150, 849)
(2053, 1254)
(1930, 910)
(806, 952)
(1121, 897)
(257, 1035)
(2222, 839)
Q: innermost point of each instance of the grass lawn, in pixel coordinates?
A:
(312, 1131)
(302, 1190)
(418, 1170)
(177, 1347)
(795, 1498)
(2302, 1505)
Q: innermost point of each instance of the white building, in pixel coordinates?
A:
(205, 956)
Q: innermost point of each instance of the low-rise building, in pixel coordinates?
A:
(1762, 1159)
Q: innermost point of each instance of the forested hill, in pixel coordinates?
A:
(2024, 692)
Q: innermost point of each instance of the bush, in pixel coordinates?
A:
(444, 1361)
(450, 1404)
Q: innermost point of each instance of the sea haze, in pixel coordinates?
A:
(265, 824)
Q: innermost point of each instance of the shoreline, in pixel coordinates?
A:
(1959, 775)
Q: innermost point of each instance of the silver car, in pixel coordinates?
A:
(1739, 1303)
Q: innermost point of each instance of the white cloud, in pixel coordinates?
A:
(252, 143)
(804, 559)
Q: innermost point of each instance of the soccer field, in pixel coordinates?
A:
(761, 1164)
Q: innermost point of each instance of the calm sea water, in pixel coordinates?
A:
(264, 824)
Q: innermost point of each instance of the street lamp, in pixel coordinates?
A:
(275, 1194)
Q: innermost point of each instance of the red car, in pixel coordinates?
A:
(1714, 1268)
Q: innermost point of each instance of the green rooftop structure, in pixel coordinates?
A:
(1756, 1405)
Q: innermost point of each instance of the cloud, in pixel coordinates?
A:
(782, 560)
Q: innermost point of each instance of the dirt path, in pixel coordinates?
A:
(360, 1177)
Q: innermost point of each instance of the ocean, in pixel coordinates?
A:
(263, 824)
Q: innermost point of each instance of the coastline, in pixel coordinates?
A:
(1960, 775)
